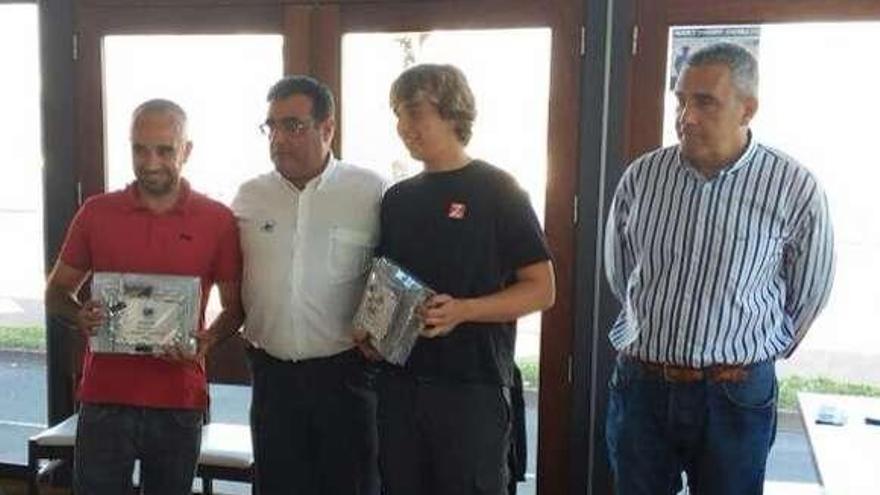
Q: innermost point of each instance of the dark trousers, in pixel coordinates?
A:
(313, 426)
(719, 433)
(442, 438)
(110, 437)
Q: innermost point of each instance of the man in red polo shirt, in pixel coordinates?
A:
(143, 407)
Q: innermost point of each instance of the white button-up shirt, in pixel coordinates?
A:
(306, 254)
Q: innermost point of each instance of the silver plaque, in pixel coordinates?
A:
(146, 314)
(390, 310)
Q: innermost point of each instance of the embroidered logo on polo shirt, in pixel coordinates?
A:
(268, 226)
(457, 211)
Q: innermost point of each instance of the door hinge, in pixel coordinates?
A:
(574, 206)
(75, 47)
(583, 41)
(570, 369)
(79, 193)
(635, 40)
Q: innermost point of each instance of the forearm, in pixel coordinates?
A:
(62, 304)
(225, 324)
(515, 301)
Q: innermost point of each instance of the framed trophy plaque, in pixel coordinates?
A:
(146, 314)
(389, 311)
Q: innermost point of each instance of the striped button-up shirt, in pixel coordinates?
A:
(730, 269)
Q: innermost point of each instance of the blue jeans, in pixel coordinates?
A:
(719, 433)
(110, 437)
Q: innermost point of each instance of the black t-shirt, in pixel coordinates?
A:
(463, 233)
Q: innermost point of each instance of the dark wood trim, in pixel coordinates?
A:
(326, 57)
(746, 11)
(183, 19)
(602, 126)
(297, 30)
(313, 39)
(557, 329)
(56, 21)
(448, 14)
(648, 66)
(90, 108)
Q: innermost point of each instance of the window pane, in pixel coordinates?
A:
(22, 332)
(221, 82)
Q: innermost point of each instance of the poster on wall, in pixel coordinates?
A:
(687, 40)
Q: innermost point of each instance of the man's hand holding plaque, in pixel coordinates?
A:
(389, 318)
(144, 314)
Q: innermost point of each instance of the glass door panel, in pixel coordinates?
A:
(22, 325)
(509, 73)
(220, 81)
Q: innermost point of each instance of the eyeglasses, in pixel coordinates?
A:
(289, 125)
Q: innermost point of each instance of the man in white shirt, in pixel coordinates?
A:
(308, 229)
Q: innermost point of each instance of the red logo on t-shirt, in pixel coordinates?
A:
(457, 210)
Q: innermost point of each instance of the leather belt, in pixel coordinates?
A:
(714, 373)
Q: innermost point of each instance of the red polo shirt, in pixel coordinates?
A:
(114, 232)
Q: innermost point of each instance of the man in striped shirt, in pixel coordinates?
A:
(720, 251)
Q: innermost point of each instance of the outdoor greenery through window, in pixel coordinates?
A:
(22, 327)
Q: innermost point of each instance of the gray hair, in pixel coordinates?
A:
(742, 64)
(163, 107)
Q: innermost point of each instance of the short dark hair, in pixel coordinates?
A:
(445, 87)
(323, 105)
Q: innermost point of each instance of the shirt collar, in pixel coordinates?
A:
(327, 174)
(739, 163)
(132, 198)
(318, 182)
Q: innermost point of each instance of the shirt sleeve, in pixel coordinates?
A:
(381, 248)
(75, 252)
(228, 261)
(520, 233)
(808, 264)
(619, 259)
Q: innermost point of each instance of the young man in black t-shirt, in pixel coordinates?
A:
(467, 230)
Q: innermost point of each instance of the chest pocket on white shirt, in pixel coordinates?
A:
(350, 253)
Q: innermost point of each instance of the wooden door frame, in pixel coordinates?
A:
(644, 88)
(313, 32)
(564, 17)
